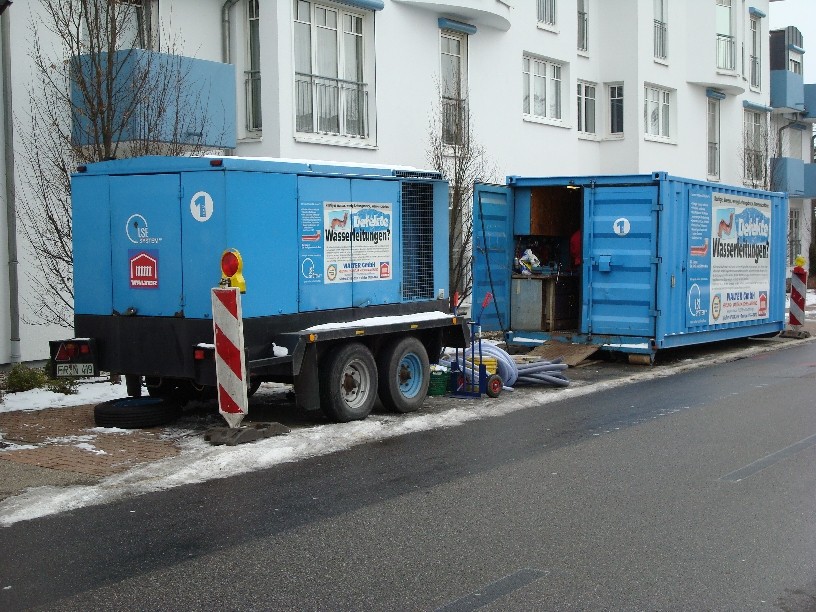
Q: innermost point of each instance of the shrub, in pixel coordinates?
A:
(66, 386)
(23, 378)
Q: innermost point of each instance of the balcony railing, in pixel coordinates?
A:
(714, 159)
(583, 31)
(661, 39)
(756, 72)
(331, 106)
(454, 121)
(252, 82)
(725, 52)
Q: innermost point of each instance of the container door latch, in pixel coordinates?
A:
(604, 263)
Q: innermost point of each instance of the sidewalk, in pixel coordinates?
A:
(61, 447)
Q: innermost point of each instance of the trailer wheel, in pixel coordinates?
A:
(348, 383)
(136, 412)
(404, 373)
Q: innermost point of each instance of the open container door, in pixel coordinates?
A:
(492, 254)
(620, 260)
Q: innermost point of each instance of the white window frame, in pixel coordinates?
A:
(658, 102)
(755, 133)
(587, 105)
(351, 93)
(794, 234)
(553, 74)
(795, 62)
(547, 14)
(145, 34)
(755, 49)
(660, 31)
(614, 92)
(713, 134)
(454, 102)
(253, 107)
(726, 55)
(583, 26)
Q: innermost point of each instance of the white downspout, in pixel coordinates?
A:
(11, 205)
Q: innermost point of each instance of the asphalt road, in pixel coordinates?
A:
(696, 491)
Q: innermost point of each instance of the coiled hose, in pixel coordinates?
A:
(537, 372)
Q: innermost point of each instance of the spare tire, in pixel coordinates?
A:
(136, 412)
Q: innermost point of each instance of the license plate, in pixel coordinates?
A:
(75, 369)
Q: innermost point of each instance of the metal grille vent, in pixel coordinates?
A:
(417, 241)
(422, 174)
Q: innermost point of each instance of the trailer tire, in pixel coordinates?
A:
(348, 383)
(404, 374)
(136, 412)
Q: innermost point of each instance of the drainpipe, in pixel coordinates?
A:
(225, 30)
(11, 205)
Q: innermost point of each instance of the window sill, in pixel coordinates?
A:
(257, 137)
(588, 136)
(548, 28)
(614, 136)
(334, 141)
(713, 179)
(583, 53)
(755, 89)
(660, 139)
(725, 72)
(544, 121)
(662, 61)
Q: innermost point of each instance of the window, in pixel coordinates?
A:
(725, 38)
(755, 141)
(542, 89)
(331, 95)
(713, 170)
(252, 75)
(795, 62)
(454, 87)
(755, 69)
(547, 12)
(583, 25)
(616, 109)
(794, 235)
(657, 112)
(134, 22)
(586, 107)
(661, 33)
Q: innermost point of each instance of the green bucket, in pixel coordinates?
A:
(438, 384)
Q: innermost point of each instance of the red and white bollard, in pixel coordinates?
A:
(796, 318)
(230, 359)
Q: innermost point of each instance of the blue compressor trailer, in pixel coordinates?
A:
(629, 263)
(345, 270)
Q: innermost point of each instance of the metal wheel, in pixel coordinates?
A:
(348, 383)
(404, 373)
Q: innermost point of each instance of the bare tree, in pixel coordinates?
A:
(454, 152)
(95, 95)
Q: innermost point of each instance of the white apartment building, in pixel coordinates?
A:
(552, 87)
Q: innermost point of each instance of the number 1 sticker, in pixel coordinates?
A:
(201, 206)
(621, 226)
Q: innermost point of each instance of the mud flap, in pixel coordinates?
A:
(307, 385)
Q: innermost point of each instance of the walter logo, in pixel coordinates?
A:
(144, 269)
(138, 232)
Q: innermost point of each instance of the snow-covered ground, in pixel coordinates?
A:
(199, 461)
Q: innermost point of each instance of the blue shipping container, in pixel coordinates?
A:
(631, 263)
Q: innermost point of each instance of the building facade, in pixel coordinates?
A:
(548, 88)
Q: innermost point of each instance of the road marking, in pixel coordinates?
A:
(761, 464)
(492, 592)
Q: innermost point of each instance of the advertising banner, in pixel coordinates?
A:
(729, 258)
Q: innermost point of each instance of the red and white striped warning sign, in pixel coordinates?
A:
(797, 296)
(230, 359)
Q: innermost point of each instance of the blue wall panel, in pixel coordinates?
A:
(91, 245)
